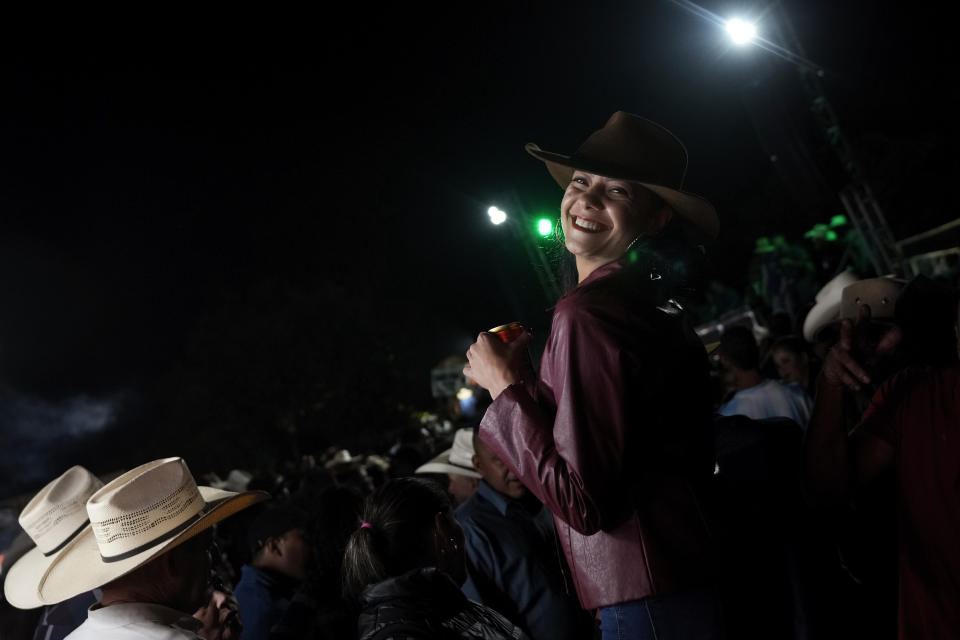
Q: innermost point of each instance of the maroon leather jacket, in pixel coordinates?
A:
(615, 438)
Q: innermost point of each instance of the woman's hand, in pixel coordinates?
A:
(495, 365)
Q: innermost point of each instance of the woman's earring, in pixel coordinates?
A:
(633, 242)
(558, 231)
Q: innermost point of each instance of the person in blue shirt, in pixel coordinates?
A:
(754, 395)
(514, 562)
(277, 567)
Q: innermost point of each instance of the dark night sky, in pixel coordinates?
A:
(145, 184)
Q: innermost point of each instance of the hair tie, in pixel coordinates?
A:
(366, 525)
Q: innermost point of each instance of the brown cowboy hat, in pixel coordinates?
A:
(632, 148)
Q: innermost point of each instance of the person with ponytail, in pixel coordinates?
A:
(404, 565)
(614, 432)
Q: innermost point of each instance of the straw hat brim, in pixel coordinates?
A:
(442, 464)
(78, 568)
(820, 318)
(20, 585)
(825, 313)
(696, 210)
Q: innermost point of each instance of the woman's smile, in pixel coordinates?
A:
(587, 225)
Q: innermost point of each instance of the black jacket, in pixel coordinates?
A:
(425, 604)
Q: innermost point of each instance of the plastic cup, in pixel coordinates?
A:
(508, 332)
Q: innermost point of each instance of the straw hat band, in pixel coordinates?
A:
(55, 526)
(152, 543)
(122, 533)
(66, 540)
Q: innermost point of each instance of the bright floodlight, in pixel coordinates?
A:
(496, 215)
(740, 31)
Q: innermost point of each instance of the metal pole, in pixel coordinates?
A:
(538, 260)
(857, 197)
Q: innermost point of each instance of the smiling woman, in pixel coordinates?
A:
(614, 435)
(604, 217)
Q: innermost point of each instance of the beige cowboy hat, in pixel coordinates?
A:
(52, 518)
(458, 459)
(340, 459)
(237, 480)
(140, 515)
(880, 294)
(826, 308)
(629, 147)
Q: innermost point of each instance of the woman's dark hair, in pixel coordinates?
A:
(680, 263)
(333, 520)
(400, 515)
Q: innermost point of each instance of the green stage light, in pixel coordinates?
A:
(818, 232)
(763, 245)
(838, 221)
(544, 226)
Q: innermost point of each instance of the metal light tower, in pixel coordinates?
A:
(523, 229)
(857, 197)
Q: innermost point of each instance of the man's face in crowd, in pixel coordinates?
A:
(790, 366)
(495, 473)
(293, 553)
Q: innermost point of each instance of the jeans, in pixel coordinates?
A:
(691, 614)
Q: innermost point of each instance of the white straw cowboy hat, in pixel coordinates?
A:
(458, 459)
(140, 515)
(629, 147)
(880, 294)
(52, 518)
(237, 480)
(826, 309)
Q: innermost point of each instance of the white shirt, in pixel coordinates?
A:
(138, 620)
(771, 399)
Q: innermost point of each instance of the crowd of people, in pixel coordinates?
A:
(799, 479)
